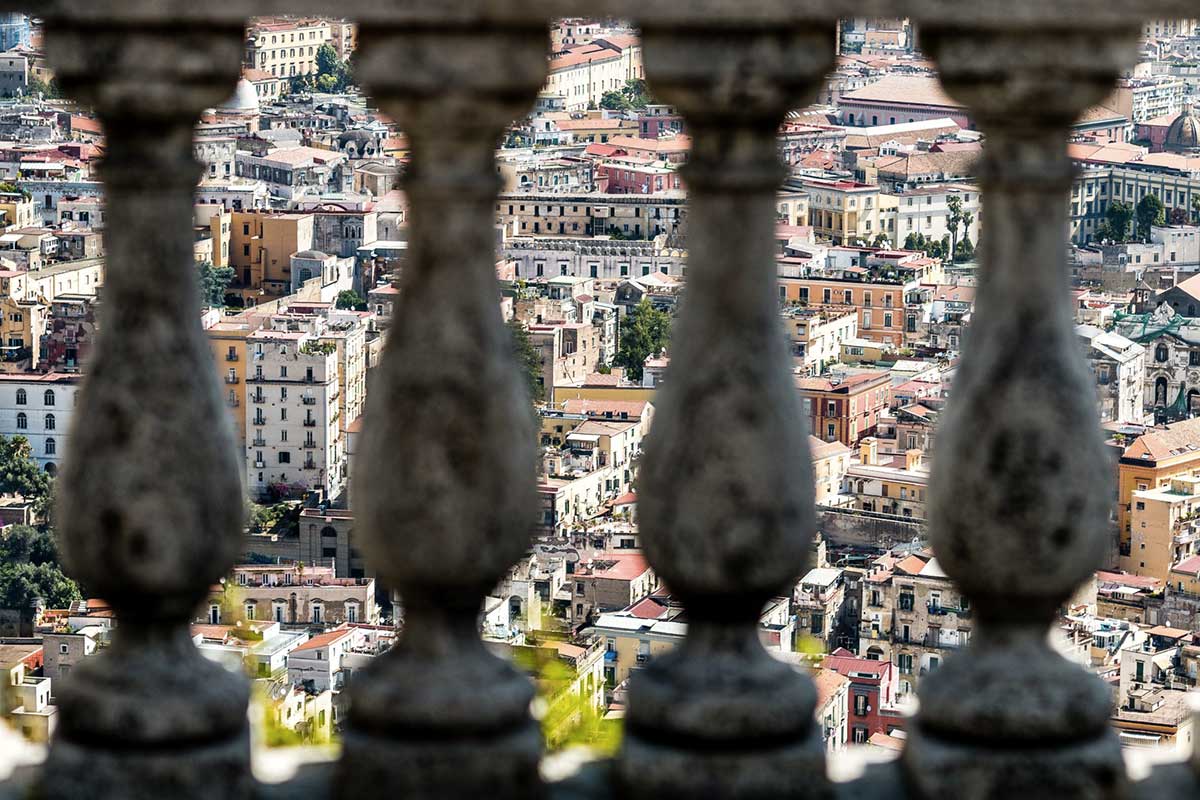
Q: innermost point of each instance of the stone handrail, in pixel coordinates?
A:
(148, 516)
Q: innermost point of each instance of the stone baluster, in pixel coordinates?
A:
(1019, 507)
(444, 491)
(149, 508)
(726, 486)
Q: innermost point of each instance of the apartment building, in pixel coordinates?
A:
(634, 216)
(583, 72)
(292, 411)
(1163, 527)
(569, 352)
(227, 341)
(286, 47)
(887, 484)
(261, 248)
(817, 335)
(848, 212)
(926, 211)
(1152, 461)
(880, 306)
(845, 408)
(39, 407)
(830, 461)
(913, 616)
(296, 594)
(1111, 173)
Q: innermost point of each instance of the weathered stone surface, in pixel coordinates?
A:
(445, 494)
(727, 507)
(149, 504)
(1015, 516)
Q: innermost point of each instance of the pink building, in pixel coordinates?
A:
(873, 694)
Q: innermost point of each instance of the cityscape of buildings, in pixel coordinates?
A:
(300, 236)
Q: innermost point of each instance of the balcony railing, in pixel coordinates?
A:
(149, 513)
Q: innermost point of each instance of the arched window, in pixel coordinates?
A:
(49, 422)
(22, 421)
(22, 397)
(51, 447)
(48, 397)
(1160, 353)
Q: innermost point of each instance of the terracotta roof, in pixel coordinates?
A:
(634, 408)
(911, 565)
(828, 683)
(325, 639)
(1178, 439)
(1190, 565)
(905, 90)
(822, 449)
(631, 497)
(617, 566)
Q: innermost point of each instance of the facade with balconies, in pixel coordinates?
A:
(291, 413)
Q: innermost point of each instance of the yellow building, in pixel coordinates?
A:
(228, 342)
(260, 251)
(846, 211)
(1150, 462)
(18, 210)
(287, 47)
(1164, 527)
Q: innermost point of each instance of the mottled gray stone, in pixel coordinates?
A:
(149, 512)
(1016, 517)
(726, 495)
(445, 490)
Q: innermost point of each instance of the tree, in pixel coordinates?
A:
(348, 298)
(333, 74)
(26, 544)
(1178, 216)
(915, 241)
(21, 582)
(1149, 212)
(613, 100)
(213, 283)
(954, 202)
(634, 91)
(48, 90)
(644, 331)
(881, 240)
(965, 251)
(327, 60)
(1118, 217)
(19, 472)
(529, 359)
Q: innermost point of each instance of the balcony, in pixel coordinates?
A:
(259, 443)
(310, 465)
(309, 400)
(232, 379)
(150, 521)
(309, 445)
(231, 356)
(258, 397)
(310, 423)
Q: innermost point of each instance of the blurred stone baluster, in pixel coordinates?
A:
(444, 491)
(1019, 510)
(150, 505)
(726, 496)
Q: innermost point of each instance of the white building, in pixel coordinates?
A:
(40, 408)
(1119, 367)
(1181, 245)
(927, 211)
(292, 414)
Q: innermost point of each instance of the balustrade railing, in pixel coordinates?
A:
(148, 513)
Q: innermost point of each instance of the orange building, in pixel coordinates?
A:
(1150, 462)
(846, 408)
(880, 306)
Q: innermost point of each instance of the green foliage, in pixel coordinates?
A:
(49, 90)
(1150, 211)
(1116, 221)
(311, 348)
(333, 74)
(282, 516)
(529, 360)
(20, 473)
(11, 188)
(348, 298)
(965, 251)
(1195, 208)
(213, 283)
(20, 583)
(881, 240)
(567, 719)
(22, 543)
(644, 331)
(630, 97)
(613, 100)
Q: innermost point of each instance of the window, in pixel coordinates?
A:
(64, 649)
(22, 421)
(49, 422)
(48, 397)
(285, 457)
(351, 612)
(1161, 353)
(860, 735)
(250, 611)
(860, 705)
(316, 612)
(22, 397)
(51, 447)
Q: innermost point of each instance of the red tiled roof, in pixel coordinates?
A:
(325, 639)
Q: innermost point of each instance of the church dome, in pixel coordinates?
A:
(1184, 133)
(244, 100)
